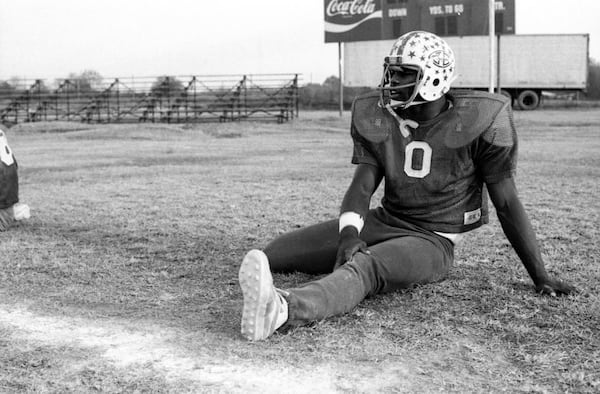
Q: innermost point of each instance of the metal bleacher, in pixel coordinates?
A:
(166, 99)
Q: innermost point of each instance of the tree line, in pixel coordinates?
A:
(310, 96)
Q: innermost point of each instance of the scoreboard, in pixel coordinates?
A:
(364, 20)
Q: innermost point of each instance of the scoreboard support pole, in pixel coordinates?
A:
(340, 77)
(492, 34)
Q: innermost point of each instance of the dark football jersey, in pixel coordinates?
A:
(9, 181)
(435, 176)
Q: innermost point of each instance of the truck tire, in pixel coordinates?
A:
(528, 100)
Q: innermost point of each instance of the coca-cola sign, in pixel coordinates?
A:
(350, 7)
(352, 20)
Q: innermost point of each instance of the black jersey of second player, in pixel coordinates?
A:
(435, 176)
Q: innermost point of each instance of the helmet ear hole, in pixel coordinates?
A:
(436, 82)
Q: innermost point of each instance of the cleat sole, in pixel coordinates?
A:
(256, 283)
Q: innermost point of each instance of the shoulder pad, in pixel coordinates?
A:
(369, 119)
(474, 113)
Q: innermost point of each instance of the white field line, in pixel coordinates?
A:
(127, 348)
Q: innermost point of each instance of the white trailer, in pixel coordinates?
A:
(528, 64)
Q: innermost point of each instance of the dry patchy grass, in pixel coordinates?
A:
(124, 280)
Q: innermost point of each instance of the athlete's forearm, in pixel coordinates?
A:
(358, 196)
(518, 230)
(356, 200)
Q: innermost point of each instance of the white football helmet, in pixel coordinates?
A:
(431, 58)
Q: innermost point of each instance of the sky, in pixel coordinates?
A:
(122, 38)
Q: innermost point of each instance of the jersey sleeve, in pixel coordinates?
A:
(495, 151)
(361, 153)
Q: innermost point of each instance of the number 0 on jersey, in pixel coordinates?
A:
(425, 166)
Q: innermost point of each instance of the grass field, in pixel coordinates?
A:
(125, 277)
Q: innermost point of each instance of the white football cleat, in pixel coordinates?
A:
(265, 308)
(21, 211)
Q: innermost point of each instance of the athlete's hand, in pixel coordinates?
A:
(554, 287)
(348, 245)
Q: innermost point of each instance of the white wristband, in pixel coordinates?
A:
(351, 219)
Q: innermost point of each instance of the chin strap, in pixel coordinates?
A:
(403, 124)
(400, 104)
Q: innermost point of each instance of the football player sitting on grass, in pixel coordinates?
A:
(10, 207)
(438, 150)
